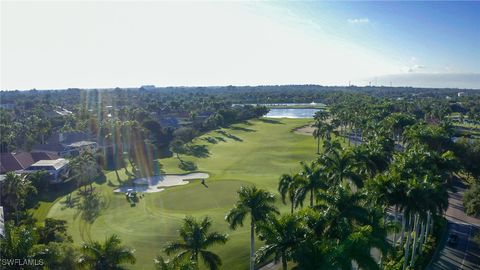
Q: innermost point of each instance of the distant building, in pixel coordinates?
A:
(67, 144)
(461, 94)
(169, 122)
(56, 168)
(148, 87)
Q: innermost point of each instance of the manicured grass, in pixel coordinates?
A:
(257, 152)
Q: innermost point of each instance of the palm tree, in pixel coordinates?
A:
(14, 191)
(324, 131)
(414, 208)
(17, 242)
(386, 190)
(317, 133)
(256, 202)
(320, 117)
(281, 236)
(114, 136)
(311, 180)
(342, 165)
(343, 210)
(84, 169)
(356, 247)
(108, 255)
(434, 199)
(287, 187)
(195, 239)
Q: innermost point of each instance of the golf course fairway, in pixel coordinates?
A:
(256, 152)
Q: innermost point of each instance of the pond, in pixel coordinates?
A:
(291, 113)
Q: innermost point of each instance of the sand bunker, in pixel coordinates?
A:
(305, 130)
(155, 183)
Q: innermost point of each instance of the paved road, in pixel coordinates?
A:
(466, 253)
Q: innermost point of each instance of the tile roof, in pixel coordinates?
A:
(44, 156)
(20, 160)
(15, 161)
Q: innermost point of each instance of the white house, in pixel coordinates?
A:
(56, 168)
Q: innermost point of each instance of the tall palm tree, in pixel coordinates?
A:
(195, 239)
(114, 137)
(14, 191)
(413, 208)
(287, 187)
(320, 118)
(434, 199)
(356, 247)
(317, 133)
(281, 237)
(342, 166)
(259, 203)
(343, 210)
(84, 169)
(321, 115)
(322, 131)
(311, 179)
(108, 255)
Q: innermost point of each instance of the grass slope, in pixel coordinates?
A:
(256, 152)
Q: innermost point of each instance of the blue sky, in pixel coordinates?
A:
(92, 44)
(440, 36)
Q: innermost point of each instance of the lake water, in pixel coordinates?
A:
(291, 113)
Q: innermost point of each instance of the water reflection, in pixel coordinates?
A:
(291, 113)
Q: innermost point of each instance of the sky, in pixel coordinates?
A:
(106, 44)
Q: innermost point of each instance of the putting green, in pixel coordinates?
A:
(257, 152)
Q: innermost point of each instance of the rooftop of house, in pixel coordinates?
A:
(68, 137)
(15, 161)
(44, 155)
(59, 140)
(56, 164)
(20, 160)
(81, 143)
(49, 147)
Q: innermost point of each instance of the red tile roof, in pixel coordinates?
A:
(20, 160)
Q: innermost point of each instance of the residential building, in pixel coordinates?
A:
(20, 160)
(67, 144)
(56, 168)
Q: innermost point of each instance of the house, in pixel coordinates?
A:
(15, 161)
(67, 144)
(56, 168)
(19, 160)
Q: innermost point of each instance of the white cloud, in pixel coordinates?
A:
(359, 21)
(413, 68)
